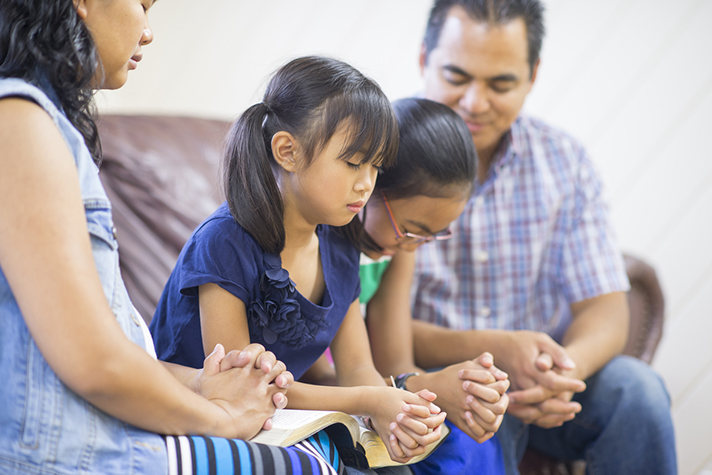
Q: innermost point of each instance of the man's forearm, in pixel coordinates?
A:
(599, 332)
(436, 346)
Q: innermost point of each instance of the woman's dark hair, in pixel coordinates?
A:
(48, 38)
(309, 97)
(436, 155)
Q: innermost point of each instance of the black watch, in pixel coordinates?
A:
(399, 380)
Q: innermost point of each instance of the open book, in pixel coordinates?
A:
(290, 426)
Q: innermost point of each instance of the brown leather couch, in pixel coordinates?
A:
(162, 176)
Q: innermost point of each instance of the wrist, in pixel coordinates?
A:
(401, 381)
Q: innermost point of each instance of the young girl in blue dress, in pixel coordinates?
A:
(413, 204)
(272, 266)
(82, 391)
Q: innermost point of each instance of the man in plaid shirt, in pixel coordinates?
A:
(533, 273)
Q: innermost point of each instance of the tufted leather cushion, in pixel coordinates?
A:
(161, 175)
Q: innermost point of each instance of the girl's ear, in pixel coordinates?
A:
(284, 147)
(81, 6)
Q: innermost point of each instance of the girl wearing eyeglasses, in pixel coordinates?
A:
(413, 203)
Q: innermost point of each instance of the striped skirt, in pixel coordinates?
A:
(197, 455)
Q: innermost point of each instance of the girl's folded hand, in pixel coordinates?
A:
(407, 422)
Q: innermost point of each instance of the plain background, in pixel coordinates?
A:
(631, 78)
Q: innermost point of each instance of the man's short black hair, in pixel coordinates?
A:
(496, 12)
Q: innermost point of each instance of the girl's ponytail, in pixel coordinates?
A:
(249, 184)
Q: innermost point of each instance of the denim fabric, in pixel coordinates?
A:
(45, 428)
(624, 427)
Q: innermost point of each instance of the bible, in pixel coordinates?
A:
(290, 426)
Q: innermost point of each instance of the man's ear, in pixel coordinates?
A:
(423, 57)
(81, 7)
(284, 147)
(535, 68)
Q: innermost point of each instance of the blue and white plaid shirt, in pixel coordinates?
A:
(534, 238)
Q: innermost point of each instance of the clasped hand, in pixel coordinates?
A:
(407, 422)
(545, 380)
(249, 385)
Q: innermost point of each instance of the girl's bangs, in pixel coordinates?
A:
(373, 128)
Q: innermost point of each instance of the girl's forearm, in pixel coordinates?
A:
(357, 400)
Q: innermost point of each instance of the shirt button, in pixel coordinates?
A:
(113, 231)
(485, 312)
(481, 255)
(479, 201)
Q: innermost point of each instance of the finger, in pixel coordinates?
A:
(284, 380)
(279, 400)
(406, 441)
(278, 369)
(414, 426)
(482, 376)
(485, 359)
(553, 420)
(422, 440)
(419, 410)
(544, 362)
(498, 373)
(498, 408)
(475, 428)
(525, 413)
(477, 407)
(254, 350)
(558, 354)
(266, 361)
(268, 424)
(396, 450)
(534, 395)
(557, 406)
(558, 383)
(211, 365)
(483, 392)
(500, 386)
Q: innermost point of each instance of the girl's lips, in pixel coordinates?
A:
(356, 207)
(133, 62)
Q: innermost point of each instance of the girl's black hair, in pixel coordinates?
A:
(436, 155)
(48, 39)
(435, 152)
(309, 97)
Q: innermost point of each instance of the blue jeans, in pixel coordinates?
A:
(624, 426)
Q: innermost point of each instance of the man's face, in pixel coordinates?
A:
(482, 72)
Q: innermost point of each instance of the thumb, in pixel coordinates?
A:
(559, 356)
(486, 359)
(544, 362)
(211, 365)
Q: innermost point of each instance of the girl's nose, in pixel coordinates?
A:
(147, 36)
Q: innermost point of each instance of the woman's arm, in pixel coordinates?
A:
(46, 256)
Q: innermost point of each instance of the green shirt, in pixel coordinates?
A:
(371, 273)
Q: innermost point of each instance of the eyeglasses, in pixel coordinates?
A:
(410, 237)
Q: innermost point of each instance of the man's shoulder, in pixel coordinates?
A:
(534, 130)
(543, 144)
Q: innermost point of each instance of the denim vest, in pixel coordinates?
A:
(45, 428)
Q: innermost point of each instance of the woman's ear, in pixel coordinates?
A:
(81, 6)
(284, 147)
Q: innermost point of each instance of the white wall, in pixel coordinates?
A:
(631, 78)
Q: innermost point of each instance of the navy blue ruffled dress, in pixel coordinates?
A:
(220, 251)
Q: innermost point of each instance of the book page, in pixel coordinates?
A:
(289, 426)
(290, 419)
